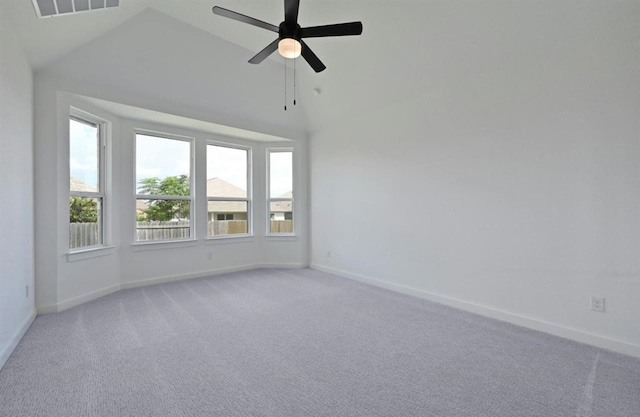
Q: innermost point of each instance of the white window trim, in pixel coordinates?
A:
(248, 199)
(191, 198)
(276, 199)
(104, 129)
(90, 252)
(147, 245)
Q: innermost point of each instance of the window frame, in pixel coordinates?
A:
(102, 125)
(270, 199)
(191, 197)
(248, 199)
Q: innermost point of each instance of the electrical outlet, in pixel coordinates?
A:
(26, 291)
(597, 304)
(209, 256)
(328, 254)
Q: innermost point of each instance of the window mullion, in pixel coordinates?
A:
(162, 197)
(227, 199)
(86, 194)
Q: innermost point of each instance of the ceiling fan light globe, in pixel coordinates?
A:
(289, 48)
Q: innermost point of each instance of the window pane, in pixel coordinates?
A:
(158, 219)
(227, 218)
(281, 215)
(84, 151)
(65, 6)
(85, 228)
(162, 166)
(82, 5)
(280, 174)
(226, 172)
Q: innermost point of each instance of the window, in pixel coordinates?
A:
(86, 181)
(164, 193)
(280, 193)
(228, 190)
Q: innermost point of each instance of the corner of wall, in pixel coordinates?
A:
(7, 349)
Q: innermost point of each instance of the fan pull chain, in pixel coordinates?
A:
(294, 81)
(285, 84)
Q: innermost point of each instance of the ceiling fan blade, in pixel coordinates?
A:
(262, 55)
(291, 11)
(312, 58)
(244, 19)
(339, 29)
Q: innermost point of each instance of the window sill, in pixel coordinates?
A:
(216, 240)
(162, 244)
(281, 237)
(89, 253)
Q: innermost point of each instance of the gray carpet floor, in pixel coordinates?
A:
(301, 343)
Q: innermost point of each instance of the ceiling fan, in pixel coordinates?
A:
(289, 42)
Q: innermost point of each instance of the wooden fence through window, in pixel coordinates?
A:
(88, 234)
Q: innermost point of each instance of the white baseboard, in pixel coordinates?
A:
(48, 309)
(7, 350)
(76, 301)
(72, 302)
(283, 266)
(535, 324)
(180, 277)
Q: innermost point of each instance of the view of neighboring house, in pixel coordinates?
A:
(77, 185)
(225, 210)
(282, 210)
(232, 210)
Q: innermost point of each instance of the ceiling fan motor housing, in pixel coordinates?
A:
(289, 31)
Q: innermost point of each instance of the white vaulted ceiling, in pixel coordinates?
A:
(49, 38)
(407, 47)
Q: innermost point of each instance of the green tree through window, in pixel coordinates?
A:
(83, 210)
(166, 210)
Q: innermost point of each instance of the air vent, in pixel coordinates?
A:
(49, 8)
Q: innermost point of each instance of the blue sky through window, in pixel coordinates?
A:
(161, 157)
(83, 153)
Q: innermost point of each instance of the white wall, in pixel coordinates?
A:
(144, 63)
(509, 186)
(16, 205)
